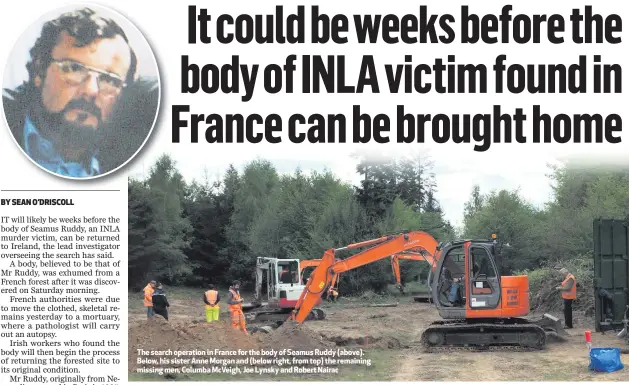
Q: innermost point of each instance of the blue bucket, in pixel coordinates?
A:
(605, 360)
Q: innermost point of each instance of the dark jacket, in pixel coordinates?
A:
(15, 103)
(130, 123)
(230, 296)
(159, 300)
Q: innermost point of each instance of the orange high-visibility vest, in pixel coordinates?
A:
(235, 297)
(572, 294)
(148, 295)
(211, 296)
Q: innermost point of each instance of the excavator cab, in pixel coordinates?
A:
(450, 290)
(493, 307)
(282, 278)
(468, 283)
(288, 271)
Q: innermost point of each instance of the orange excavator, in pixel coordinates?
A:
(480, 308)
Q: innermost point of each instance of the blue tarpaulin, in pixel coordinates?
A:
(605, 360)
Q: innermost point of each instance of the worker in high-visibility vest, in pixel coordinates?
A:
(568, 291)
(234, 300)
(332, 294)
(211, 299)
(148, 298)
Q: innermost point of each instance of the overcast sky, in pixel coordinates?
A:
(455, 172)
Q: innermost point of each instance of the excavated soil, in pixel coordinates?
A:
(157, 334)
(292, 335)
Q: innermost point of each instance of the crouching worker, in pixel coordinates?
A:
(333, 294)
(160, 302)
(234, 300)
(211, 299)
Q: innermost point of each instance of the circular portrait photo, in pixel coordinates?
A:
(81, 92)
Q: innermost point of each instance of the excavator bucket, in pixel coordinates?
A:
(553, 328)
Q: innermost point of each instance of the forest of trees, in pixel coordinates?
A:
(193, 233)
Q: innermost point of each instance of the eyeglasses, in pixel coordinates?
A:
(76, 73)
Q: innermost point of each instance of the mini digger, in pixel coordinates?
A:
(479, 308)
(278, 288)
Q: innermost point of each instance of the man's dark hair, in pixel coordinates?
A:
(84, 26)
(211, 287)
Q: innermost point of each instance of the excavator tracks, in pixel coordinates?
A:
(448, 336)
(267, 320)
(281, 315)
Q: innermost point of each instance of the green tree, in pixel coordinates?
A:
(474, 204)
(581, 194)
(378, 187)
(144, 235)
(209, 216)
(255, 185)
(515, 222)
(158, 228)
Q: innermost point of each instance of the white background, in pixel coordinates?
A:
(165, 27)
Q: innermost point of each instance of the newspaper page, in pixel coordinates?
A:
(321, 191)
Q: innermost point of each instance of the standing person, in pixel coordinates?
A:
(211, 299)
(160, 302)
(568, 291)
(148, 298)
(234, 300)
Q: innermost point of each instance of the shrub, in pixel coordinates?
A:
(542, 283)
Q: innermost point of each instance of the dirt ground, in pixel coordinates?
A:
(406, 322)
(392, 335)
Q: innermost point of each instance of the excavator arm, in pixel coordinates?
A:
(261, 265)
(315, 262)
(384, 247)
(308, 263)
(395, 263)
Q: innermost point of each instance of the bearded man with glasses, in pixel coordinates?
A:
(70, 108)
